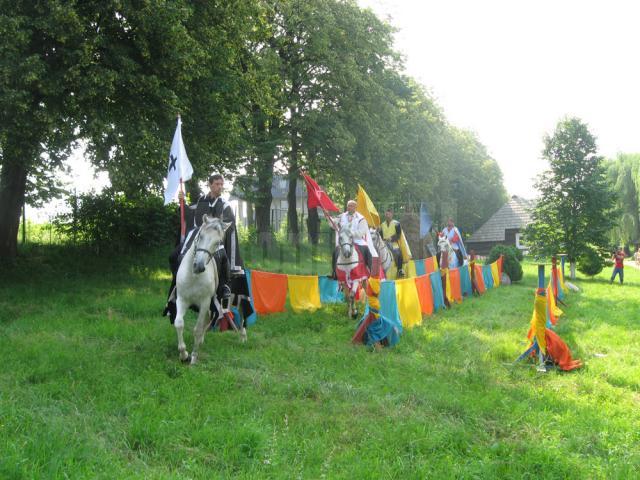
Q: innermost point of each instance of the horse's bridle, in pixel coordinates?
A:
(195, 244)
(352, 246)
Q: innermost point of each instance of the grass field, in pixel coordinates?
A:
(91, 386)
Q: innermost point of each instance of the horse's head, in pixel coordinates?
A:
(375, 236)
(345, 237)
(209, 237)
(443, 243)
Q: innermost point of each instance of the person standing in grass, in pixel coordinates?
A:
(637, 257)
(618, 268)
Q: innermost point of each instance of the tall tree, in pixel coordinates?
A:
(106, 70)
(573, 214)
(624, 176)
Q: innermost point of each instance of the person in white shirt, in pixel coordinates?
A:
(361, 236)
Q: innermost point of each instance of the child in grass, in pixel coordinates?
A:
(618, 268)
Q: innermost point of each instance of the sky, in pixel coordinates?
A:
(510, 70)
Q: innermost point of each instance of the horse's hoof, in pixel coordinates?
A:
(194, 360)
(185, 359)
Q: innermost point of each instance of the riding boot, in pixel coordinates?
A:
(334, 260)
(398, 258)
(224, 274)
(170, 309)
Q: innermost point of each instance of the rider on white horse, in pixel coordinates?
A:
(455, 239)
(390, 232)
(361, 236)
(227, 257)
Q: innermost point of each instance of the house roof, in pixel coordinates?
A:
(279, 189)
(513, 214)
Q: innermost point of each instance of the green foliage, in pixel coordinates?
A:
(292, 83)
(574, 210)
(111, 222)
(591, 262)
(511, 261)
(624, 177)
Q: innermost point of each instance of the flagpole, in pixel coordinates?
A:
(183, 225)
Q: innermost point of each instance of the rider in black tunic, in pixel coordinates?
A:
(227, 257)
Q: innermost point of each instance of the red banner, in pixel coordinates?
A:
(316, 197)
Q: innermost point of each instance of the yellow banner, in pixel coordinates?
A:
(366, 208)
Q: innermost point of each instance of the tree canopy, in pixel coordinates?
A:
(573, 214)
(624, 176)
(261, 86)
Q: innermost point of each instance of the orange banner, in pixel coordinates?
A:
(454, 278)
(269, 291)
(423, 285)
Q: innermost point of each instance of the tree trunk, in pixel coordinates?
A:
(263, 205)
(572, 268)
(13, 181)
(292, 214)
(313, 226)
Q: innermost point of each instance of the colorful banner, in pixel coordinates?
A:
(495, 273)
(487, 276)
(316, 197)
(465, 281)
(401, 301)
(479, 278)
(269, 291)
(454, 282)
(366, 208)
(425, 295)
(329, 290)
(436, 290)
(389, 303)
(430, 264)
(408, 302)
(251, 320)
(419, 267)
(304, 292)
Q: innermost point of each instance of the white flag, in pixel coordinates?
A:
(179, 166)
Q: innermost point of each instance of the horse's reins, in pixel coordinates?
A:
(195, 244)
(349, 263)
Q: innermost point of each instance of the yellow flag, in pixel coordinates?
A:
(366, 208)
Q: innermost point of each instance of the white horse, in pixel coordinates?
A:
(445, 246)
(347, 262)
(197, 282)
(386, 255)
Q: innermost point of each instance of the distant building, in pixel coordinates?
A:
(504, 227)
(244, 210)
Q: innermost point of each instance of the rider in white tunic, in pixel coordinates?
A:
(360, 231)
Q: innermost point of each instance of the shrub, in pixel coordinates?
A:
(111, 221)
(511, 262)
(591, 262)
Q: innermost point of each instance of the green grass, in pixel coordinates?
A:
(91, 386)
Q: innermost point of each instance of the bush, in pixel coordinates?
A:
(511, 262)
(111, 221)
(591, 262)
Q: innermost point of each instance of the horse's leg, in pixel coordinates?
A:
(181, 309)
(243, 329)
(199, 329)
(354, 301)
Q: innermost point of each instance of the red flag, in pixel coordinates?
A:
(316, 197)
